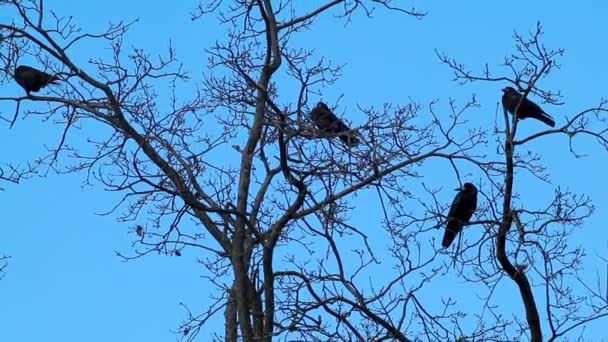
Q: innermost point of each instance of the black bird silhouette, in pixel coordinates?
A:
(328, 122)
(527, 109)
(462, 209)
(32, 79)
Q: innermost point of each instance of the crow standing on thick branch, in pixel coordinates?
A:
(527, 109)
(328, 122)
(462, 209)
(32, 79)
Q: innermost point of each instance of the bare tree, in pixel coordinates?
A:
(272, 221)
(534, 241)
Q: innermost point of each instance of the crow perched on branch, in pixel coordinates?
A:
(527, 109)
(462, 209)
(328, 122)
(32, 79)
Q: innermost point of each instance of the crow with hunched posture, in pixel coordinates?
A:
(462, 210)
(32, 79)
(527, 108)
(328, 122)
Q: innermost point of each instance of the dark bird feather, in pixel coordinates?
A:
(32, 79)
(328, 122)
(461, 211)
(527, 109)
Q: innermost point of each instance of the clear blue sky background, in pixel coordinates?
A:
(64, 282)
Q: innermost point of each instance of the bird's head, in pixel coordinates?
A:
(509, 90)
(468, 187)
(322, 105)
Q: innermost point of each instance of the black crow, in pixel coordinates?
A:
(462, 209)
(139, 230)
(32, 79)
(328, 122)
(527, 109)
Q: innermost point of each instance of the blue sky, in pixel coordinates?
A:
(64, 281)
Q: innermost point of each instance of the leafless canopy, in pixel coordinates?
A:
(237, 172)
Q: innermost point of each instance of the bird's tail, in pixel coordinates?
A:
(544, 117)
(349, 139)
(451, 231)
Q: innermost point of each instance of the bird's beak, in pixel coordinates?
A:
(459, 189)
(504, 90)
